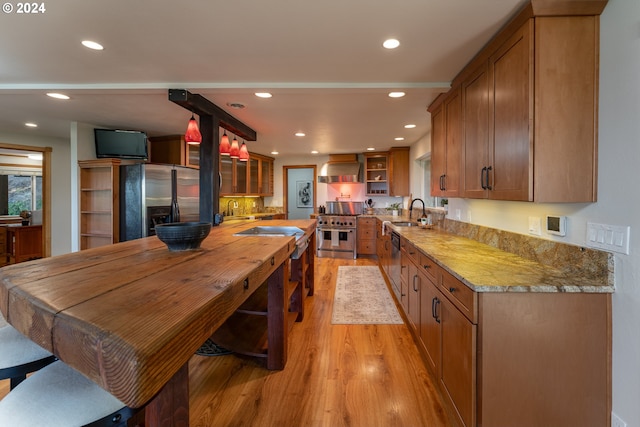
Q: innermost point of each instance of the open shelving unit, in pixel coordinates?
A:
(99, 193)
(377, 174)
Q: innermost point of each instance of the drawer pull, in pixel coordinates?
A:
(434, 309)
(452, 289)
(426, 266)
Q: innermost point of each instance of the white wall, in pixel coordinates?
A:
(325, 192)
(618, 194)
(60, 184)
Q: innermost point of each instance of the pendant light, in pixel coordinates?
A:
(235, 149)
(193, 135)
(225, 146)
(244, 153)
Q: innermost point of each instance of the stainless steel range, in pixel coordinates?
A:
(336, 230)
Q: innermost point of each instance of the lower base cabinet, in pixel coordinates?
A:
(505, 359)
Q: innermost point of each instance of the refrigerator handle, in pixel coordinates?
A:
(175, 209)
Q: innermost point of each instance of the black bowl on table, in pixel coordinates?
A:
(183, 236)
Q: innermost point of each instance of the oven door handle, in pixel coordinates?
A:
(346, 230)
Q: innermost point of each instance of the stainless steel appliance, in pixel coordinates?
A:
(336, 230)
(146, 192)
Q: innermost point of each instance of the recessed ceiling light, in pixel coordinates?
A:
(391, 43)
(371, 149)
(396, 94)
(410, 126)
(314, 152)
(57, 95)
(92, 45)
(274, 153)
(31, 125)
(300, 134)
(263, 95)
(399, 138)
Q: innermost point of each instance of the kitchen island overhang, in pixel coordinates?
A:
(129, 316)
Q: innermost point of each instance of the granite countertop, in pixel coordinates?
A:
(485, 268)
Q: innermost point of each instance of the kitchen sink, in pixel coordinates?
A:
(266, 230)
(405, 224)
(275, 231)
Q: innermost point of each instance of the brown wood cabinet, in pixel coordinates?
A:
(529, 109)
(3, 246)
(366, 236)
(24, 243)
(446, 140)
(383, 247)
(99, 196)
(387, 173)
(510, 358)
(399, 171)
(252, 178)
(172, 149)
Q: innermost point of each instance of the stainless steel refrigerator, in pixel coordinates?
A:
(146, 191)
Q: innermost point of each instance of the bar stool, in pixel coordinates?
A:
(19, 355)
(59, 396)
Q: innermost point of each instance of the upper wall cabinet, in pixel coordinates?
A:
(446, 140)
(529, 109)
(252, 178)
(172, 149)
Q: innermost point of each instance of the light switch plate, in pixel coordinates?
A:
(609, 237)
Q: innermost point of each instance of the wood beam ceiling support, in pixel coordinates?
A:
(201, 106)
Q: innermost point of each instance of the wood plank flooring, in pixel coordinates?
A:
(336, 375)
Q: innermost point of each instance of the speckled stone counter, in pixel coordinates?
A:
(489, 260)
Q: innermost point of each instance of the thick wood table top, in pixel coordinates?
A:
(130, 315)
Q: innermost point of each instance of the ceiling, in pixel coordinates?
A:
(323, 62)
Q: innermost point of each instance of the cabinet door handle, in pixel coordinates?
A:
(488, 186)
(434, 308)
(415, 276)
(442, 182)
(483, 172)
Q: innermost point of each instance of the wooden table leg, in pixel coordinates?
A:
(277, 329)
(170, 407)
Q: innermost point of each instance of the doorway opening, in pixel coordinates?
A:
(299, 192)
(25, 188)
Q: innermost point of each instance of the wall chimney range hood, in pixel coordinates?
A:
(340, 168)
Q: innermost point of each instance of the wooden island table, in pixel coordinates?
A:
(129, 316)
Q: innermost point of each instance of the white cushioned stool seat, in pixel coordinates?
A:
(19, 355)
(56, 396)
(16, 349)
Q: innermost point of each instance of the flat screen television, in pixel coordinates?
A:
(122, 144)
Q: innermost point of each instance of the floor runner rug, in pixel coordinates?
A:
(362, 297)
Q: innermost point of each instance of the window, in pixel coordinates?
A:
(24, 193)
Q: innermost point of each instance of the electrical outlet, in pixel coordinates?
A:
(609, 237)
(535, 226)
(616, 421)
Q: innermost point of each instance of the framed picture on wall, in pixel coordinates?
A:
(304, 194)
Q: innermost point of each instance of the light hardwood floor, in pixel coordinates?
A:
(336, 375)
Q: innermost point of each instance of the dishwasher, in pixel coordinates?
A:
(395, 265)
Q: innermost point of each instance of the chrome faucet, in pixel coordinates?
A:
(235, 206)
(411, 206)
